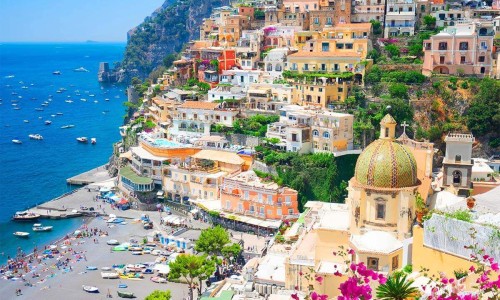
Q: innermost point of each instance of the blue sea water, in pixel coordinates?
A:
(36, 171)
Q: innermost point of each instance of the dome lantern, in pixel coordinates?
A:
(388, 128)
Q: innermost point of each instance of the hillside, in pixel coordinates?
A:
(164, 32)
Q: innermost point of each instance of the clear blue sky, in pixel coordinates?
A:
(71, 20)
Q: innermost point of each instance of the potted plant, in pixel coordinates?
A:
(420, 208)
(471, 202)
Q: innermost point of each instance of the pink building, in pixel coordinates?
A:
(463, 48)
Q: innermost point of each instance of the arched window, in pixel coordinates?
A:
(183, 125)
(326, 135)
(278, 68)
(269, 67)
(315, 132)
(457, 177)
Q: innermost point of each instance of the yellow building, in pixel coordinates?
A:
(339, 49)
(320, 92)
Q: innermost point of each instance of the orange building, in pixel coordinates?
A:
(246, 194)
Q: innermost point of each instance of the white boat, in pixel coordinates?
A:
(90, 289)
(83, 99)
(68, 101)
(22, 234)
(91, 95)
(35, 136)
(93, 141)
(56, 72)
(26, 121)
(24, 87)
(107, 99)
(17, 108)
(82, 139)
(48, 122)
(39, 227)
(59, 113)
(17, 141)
(67, 126)
(110, 275)
(81, 69)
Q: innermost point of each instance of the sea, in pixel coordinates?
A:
(36, 170)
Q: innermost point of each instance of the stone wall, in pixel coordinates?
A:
(262, 167)
(401, 67)
(243, 140)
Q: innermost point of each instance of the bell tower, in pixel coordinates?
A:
(387, 128)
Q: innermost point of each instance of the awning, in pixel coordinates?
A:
(160, 193)
(123, 201)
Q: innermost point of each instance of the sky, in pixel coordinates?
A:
(71, 20)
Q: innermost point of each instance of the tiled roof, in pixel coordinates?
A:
(199, 105)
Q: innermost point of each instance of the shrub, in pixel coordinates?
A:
(393, 50)
(464, 85)
(398, 90)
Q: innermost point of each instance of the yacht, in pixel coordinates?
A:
(93, 141)
(48, 122)
(39, 227)
(15, 141)
(59, 113)
(25, 216)
(67, 126)
(56, 72)
(35, 136)
(68, 101)
(22, 234)
(26, 121)
(82, 139)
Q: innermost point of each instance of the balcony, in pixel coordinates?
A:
(400, 25)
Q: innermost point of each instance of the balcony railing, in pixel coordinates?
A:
(400, 25)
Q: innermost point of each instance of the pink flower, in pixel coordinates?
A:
(494, 267)
(295, 296)
(319, 279)
(350, 251)
(472, 269)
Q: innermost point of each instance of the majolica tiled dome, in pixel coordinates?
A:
(386, 164)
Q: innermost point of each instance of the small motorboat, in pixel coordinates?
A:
(91, 268)
(93, 141)
(68, 101)
(22, 234)
(80, 69)
(90, 289)
(56, 73)
(110, 275)
(122, 286)
(48, 122)
(67, 126)
(59, 113)
(113, 242)
(124, 294)
(25, 216)
(39, 227)
(35, 136)
(26, 121)
(82, 139)
(15, 141)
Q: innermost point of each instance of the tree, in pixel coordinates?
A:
(398, 90)
(232, 250)
(376, 26)
(193, 268)
(483, 115)
(159, 295)
(397, 287)
(169, 59)
(393, 50)
(429, 21)
(212, 241)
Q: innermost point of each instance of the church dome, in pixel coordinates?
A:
(386, 164)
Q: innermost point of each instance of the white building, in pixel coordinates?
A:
(225, 92)
(399, 18)
(274, 62)
(241, 78)
(193, 119)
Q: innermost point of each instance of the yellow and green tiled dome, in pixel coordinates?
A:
(386, 164)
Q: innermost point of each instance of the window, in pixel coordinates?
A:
(372, 263)
(395, 262)
(252, 208)
(259, 197)
(323, 67)
(269, 212)
(306, 67)
(464, 46)
(326, 135)
(278, 212)
(245, 195)
(348, 46)
(240, 207)
(315, 145)
(462, 59)
(288, 200)
(441, 59)
(336, 67)
(294, 137)
(458, 158)
(481, 59)
(443, 46)
(326, 147)
(270, 199)
(340, 46)
(228, 204)
(483, 70)
(316, 20)
(329, 21)
(380, 211)
(484, 46)
(315, 133)
(290, 211)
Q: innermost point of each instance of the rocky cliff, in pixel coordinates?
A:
(163, 33)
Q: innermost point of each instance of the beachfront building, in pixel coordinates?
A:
(463, 49)
(246, 194)
(199, 177)
(194, 118)
(147, 164)
(399, 18)
(364, 11)
(130, 181)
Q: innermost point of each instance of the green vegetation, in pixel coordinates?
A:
(461, 214)
(195, 84)
(397, 287)
(429, 21)
(194, 269)
(254, 126)
(376, 75)
(377, 27)
(460, 273)
(159, 295)
(215, 242)
(398, 90)
(483, 115)
(393, 50)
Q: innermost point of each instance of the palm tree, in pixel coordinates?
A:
(397, 287)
